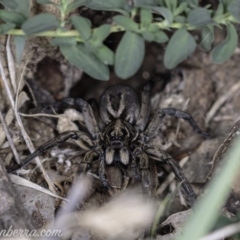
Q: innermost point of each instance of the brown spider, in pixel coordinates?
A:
(121, 134)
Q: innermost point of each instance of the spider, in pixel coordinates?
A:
(120, 133)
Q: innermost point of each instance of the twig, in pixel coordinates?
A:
(223, 233)
(24, 134)
(223, 147)
(170, 177)
(220, 101)
(11, 65)
(15, 153)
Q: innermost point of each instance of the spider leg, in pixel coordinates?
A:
(145, 108)
(159, 155)
(154, 125)
(144, 168)
(102, 172)
(52, 143)
(86, 110)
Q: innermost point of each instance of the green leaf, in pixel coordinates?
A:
(45, 2)
(126, 22)
(180, 46)
(12, 17)
(209, 206)
(172, 5)
(66, 41)
(153, 27)
(219, 10)
(139, 3)
(234, 9)
(225, 2)
(160, 37)
(164, 12)
(223, 51)
(40, 23)
(105, 54)
(207, 38)
(4, 28)
(23, 8)
(106, 4)
(199, 17)
(100, 34)
(76, 4)
(13, 4)
(19, 46)
(148, 36)
(180, 9)
(129, 55)
(180, 19)
(83, 25)
(145, 17)
(78, 56)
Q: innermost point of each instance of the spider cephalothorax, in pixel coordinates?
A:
(120, 133)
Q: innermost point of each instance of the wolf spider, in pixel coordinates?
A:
(121, 134)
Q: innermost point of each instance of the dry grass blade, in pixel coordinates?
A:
(11, 65)
(221, 101)
(14, 150)
(24, 182)
(24, 134)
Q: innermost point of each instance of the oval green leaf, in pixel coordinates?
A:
(126, 22)
(99, 34)
(63, 41)
(13, 4)
(145, 17)
(223, 51)
(12, 17)
(160, 37)
(163, 12)
(148, 36)
(207, 38)
(19, 46)
(234, 9)
(199, 17)
(40, 23)
(129, 55)
(76, 4)
(83, 26)
(180, 46)
(106, 4)
(23, 8)
(105, 54)
(4, 28)
(78, 56)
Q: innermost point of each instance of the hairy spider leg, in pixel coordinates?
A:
(88, 115)
(158, 117)
(160, 155)
(143, 116)
(54, 142)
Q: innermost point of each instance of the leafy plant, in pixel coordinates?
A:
(142, 20)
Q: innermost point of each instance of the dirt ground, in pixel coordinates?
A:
(209, 92)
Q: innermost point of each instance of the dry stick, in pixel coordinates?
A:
(223, 233)
(223, 147)
(170, 177)
(14, 150)
(221, 101)
(11, 65)
(24, 134)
